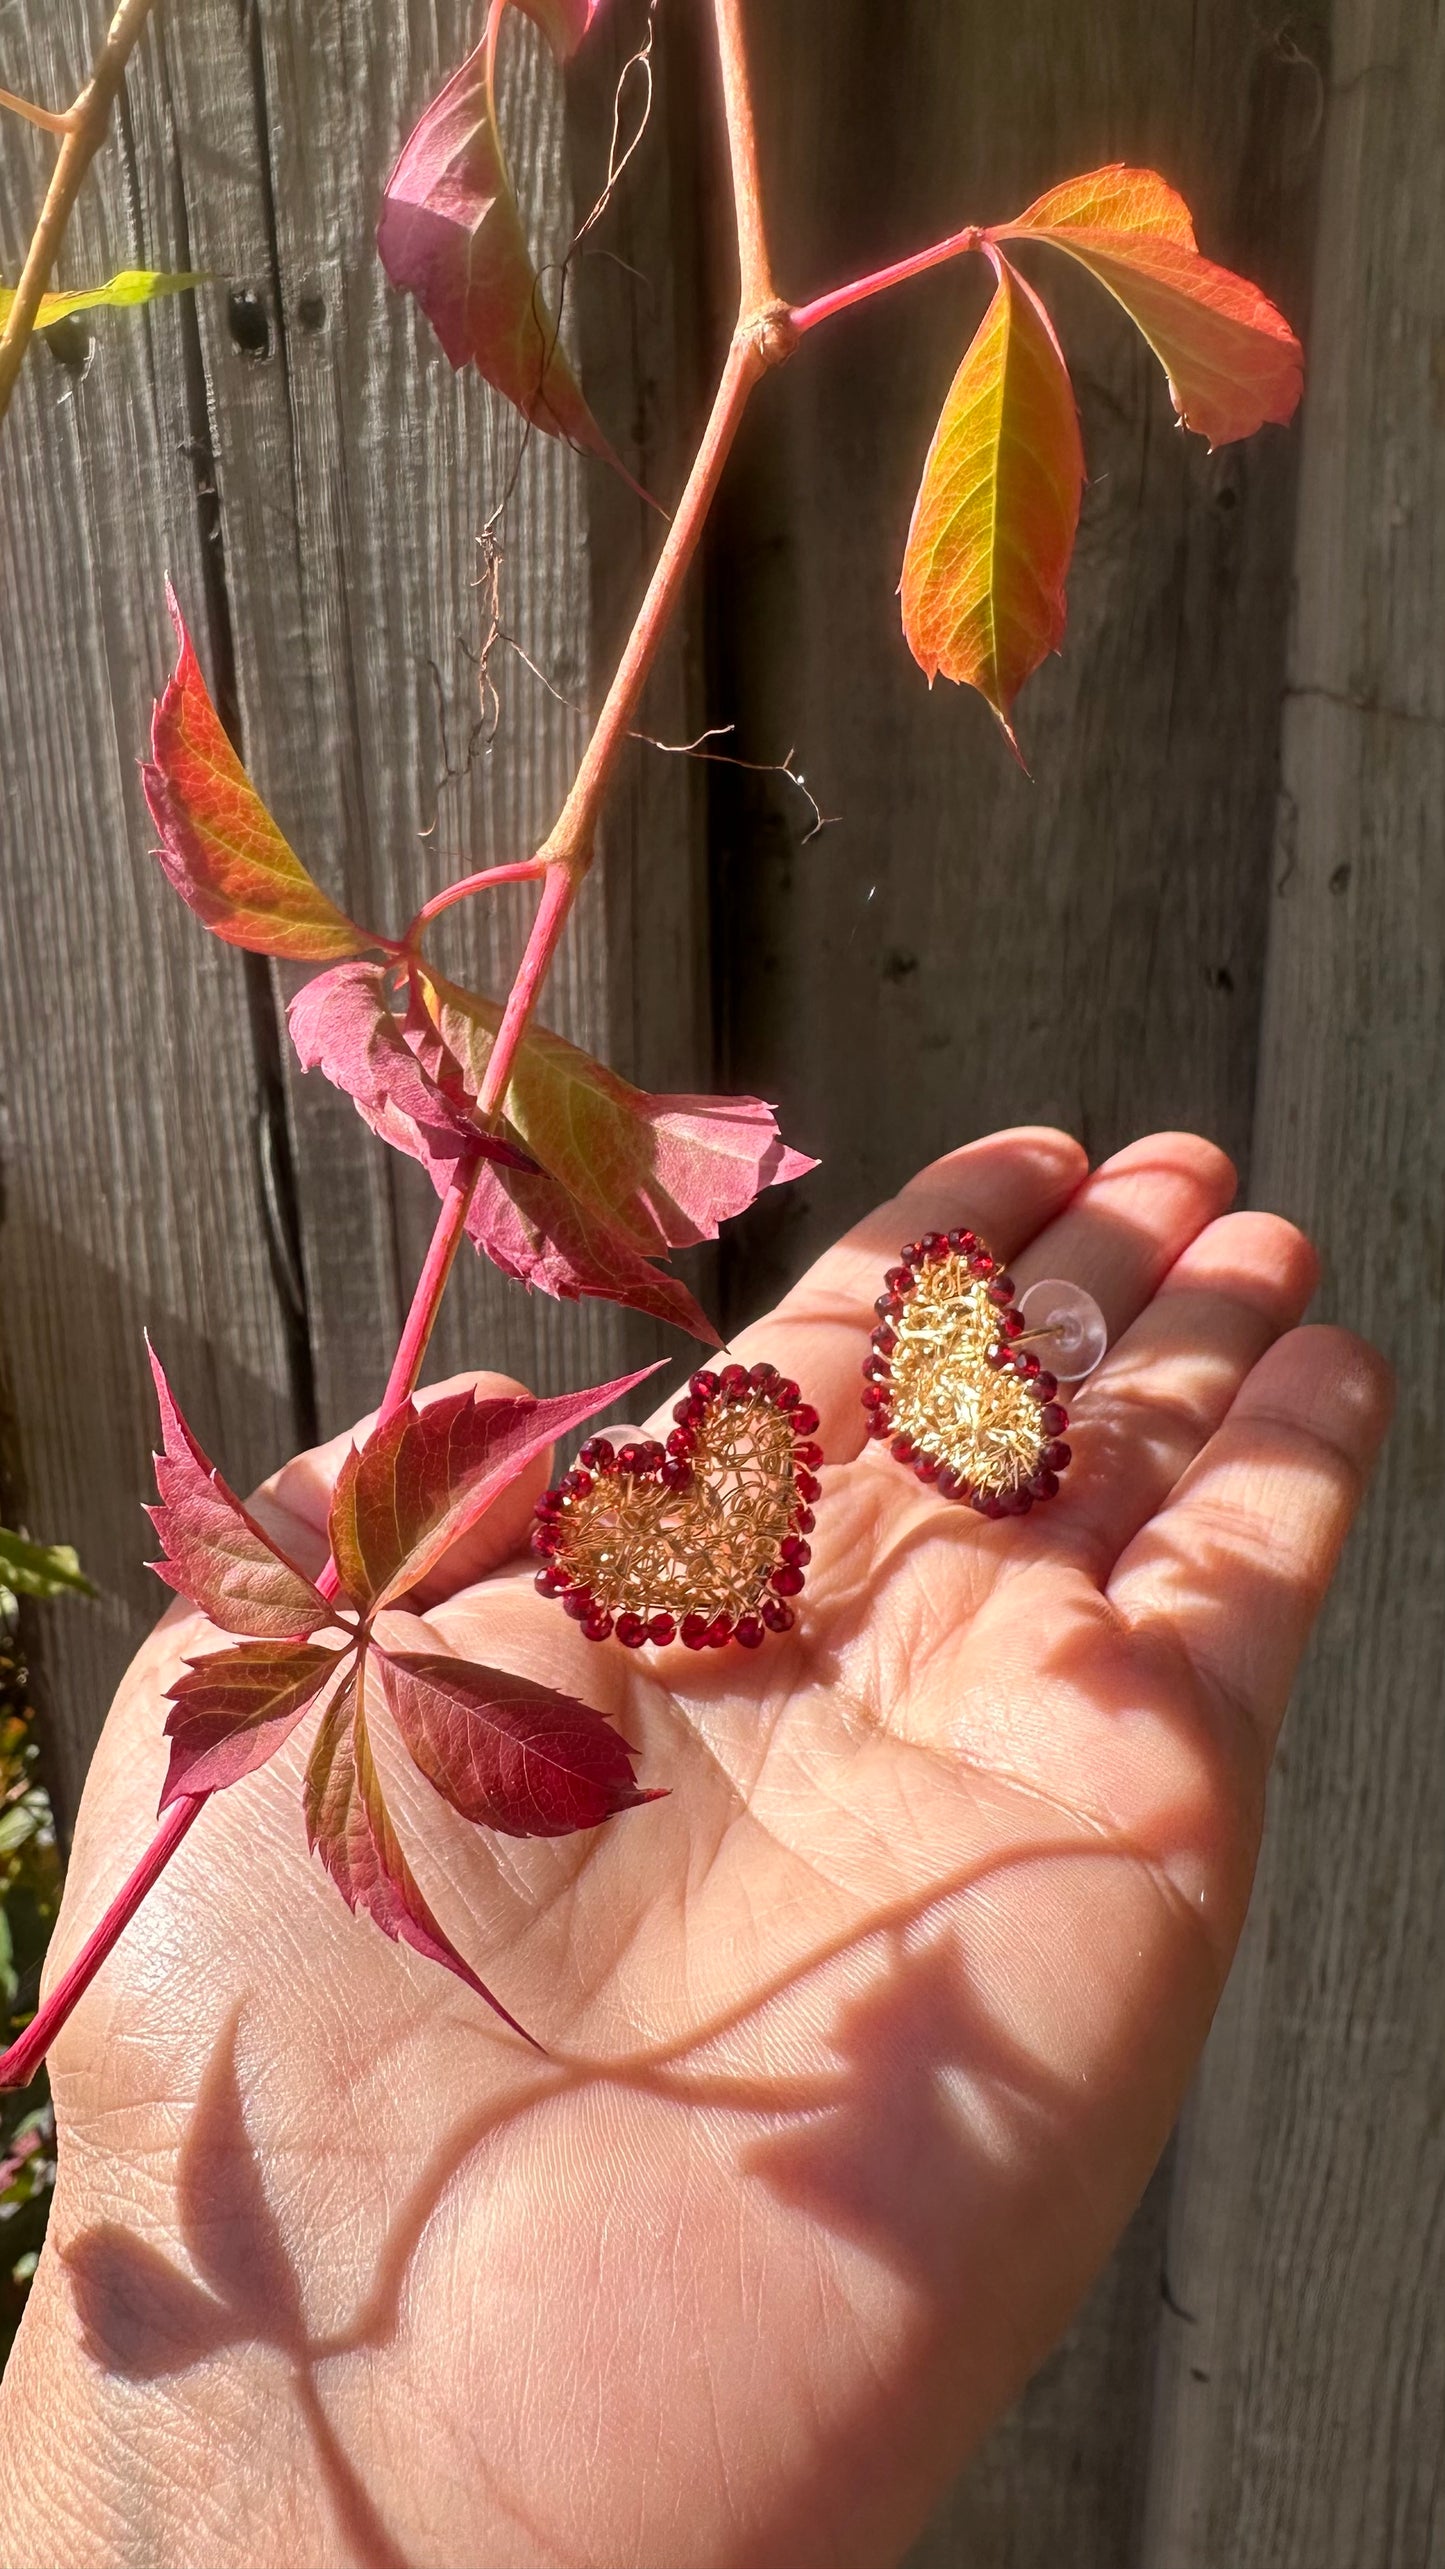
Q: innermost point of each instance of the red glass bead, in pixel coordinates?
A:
(981, 1264)
(631, 1631)
(579, 1483)
(653, 1456)
(898, 1279)
(1058, 1457)
(702, 1386)
(805, 1420)
(751, 1631)
(947, 1482)
(786, 1394)
(809, 1456)
(546, 1539)
(888, 1307)
(787, 1581)
(1045, 1385)
(927, 1466)
(885, 1339)
(875, 1396)
(902, 1449)
(1025, 1364)
(988, 1503)
(550, 1583)
(661, 1629)
(719, 1632)
(695, 1629)
(630, 1459)
(809, 1490)
(597, 1454)
(676, 1473)
(879, 1422)
(1001, 1290)
(777, 1616)
(598, 1626)
(1053, 1419)
(963, 1243)
(933, 1244)
(551, 1503)
(998, 1356)
(761, 1375)
(803, 1520)
(1009, 1324)
(733, 1382)
(682, 1441)
(911, 1253)
(1045, 1485)
(795, 1551)
(876, 1369)
(578, 1604)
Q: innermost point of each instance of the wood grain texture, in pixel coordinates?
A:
(130, 1093)
(1301, 2404)
(966, 948)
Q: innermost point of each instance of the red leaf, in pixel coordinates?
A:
(342, 1024)
(506, 1752)
(1232, 360)
(533, 1229)
(231, 1712)
(564, 23)
(663, 1172)
(350, 1828)
(993, 526)
(219, 845)
(451, 235)
(425, 1477)
(214, 1551)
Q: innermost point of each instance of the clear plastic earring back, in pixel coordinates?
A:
(1065, 1325)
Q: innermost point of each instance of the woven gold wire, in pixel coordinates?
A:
(710, 1549)
(945, 1396)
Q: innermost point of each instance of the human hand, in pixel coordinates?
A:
(861, 2046)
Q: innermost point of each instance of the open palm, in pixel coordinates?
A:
(860, 2047)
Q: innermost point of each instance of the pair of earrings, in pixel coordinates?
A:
(703, 1539)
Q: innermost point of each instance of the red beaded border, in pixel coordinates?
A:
(898, 1284)
(672, 1464)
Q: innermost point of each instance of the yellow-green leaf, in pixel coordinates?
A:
(132, 285)
(993, 527)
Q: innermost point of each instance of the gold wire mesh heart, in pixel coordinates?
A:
(967, 1407)
(703, 1540)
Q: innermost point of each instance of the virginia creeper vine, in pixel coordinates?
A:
(470, 1089)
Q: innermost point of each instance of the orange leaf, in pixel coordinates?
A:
(219, 845)
(1232, 361)
(993, 526)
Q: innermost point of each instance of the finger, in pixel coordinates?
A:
(1005, 1187)
(294, 1503)
(1161, 1392)
(1236, 1563)
(1130, 1222)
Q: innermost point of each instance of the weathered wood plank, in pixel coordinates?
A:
(1300, 2413)
(966, 948)
(130, 1086)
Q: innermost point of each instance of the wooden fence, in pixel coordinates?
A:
(1221, 903)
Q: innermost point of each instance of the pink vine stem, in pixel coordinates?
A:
(806, 316)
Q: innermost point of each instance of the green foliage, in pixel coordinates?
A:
(30, 1879)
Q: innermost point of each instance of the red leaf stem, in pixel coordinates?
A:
(526, 872)
(19, 2065)
(806, 316)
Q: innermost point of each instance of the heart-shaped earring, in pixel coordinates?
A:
(703, 1540)
(955, 1380)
